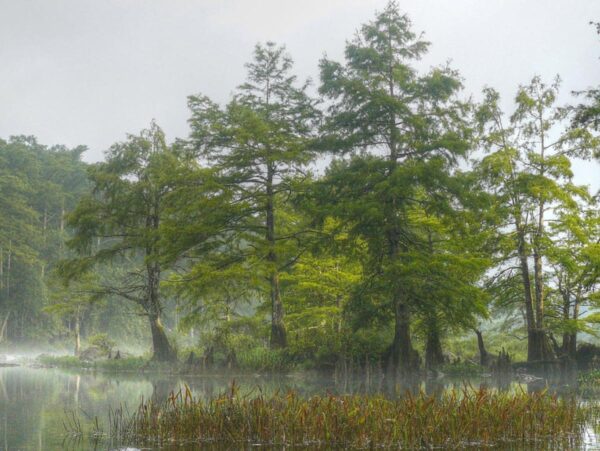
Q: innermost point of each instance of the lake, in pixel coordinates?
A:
(37, 403)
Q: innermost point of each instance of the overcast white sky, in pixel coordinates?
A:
(90, 71)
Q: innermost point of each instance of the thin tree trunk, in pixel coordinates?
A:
(8, 266)
(484, 357)
(278, 332)
(540, 342)
(537, 241)
(62, 228)
(534, 340)
(3, 329)
(573, 340)
(45, 223)
(77, 334)
(539, 284)
(569, 344)
(566, 315)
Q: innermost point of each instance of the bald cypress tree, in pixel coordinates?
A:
(120, 222)
(527, 172)
(403, 129)
(260, 145)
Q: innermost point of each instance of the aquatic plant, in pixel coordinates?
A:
(465, 417)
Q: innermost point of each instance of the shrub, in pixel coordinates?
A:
(102, 342)
(264, 359)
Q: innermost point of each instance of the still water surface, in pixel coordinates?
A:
(35, 403)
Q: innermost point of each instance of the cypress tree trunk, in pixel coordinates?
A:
(569, 339)
(570, 311)
(403, 356)
(538, 345)
(540, 348)
(162, 349)
(434, 355)
(484, 357)
(571, 349)
(278, 332)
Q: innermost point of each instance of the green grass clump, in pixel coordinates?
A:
(124, 364)
(264, 359)
(63, 361)
(457, 418)
(589, 377)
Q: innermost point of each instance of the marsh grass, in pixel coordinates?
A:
(457, 418)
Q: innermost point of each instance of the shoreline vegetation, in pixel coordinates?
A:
(141, 364)
(439, 229)
(369, 377)
(454, 418)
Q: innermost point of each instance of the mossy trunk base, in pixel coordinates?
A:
(162, 349)
(539, 350)
(403, 358)
(278, 336)
(434, 355)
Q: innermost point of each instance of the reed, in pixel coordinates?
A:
(457, 418)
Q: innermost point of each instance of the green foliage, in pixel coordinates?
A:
(227, 241)
(263, 359)
(399, 193)
(527, 174)
(591, 377)
(65, 361)
(260, 145)
(109, 365)
(102, 341)
(120, 222)
(38, 184)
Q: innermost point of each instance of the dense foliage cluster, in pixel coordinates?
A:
(371, 221)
